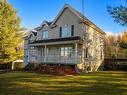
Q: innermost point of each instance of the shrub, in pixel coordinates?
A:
(31, 66)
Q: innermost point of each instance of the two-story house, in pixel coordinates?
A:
(70, 39)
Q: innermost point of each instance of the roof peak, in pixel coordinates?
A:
(77, 13)
(67, 5)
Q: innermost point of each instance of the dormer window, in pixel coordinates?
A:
(66, 31)
(45, 34)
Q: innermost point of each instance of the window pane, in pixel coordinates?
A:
(69, 31)
(66, 51)
(70, 51)
(66, 31)
(31, 47)
(62, 51)
(45, 34)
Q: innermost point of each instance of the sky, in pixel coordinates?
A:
(33, 12)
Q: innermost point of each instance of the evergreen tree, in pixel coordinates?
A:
(119, 13)
(10, 34)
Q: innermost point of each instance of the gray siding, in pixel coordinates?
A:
(68, 18)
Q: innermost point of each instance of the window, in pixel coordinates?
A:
(86, 52)
(33, 51)
(32, 48)
(101, 54)
(45, 34)
(67, 31)
(65, 51)
(43, 51)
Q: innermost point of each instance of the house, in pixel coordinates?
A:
(69, 40)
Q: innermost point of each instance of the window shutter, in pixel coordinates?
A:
(60, 32)
(72, 30)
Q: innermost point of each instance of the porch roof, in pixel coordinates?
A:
(57, 41)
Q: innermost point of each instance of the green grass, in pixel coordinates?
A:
(97, 83)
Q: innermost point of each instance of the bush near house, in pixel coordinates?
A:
(57, 70)
(31, 67)
(115, 64)
(6, 66)
(51, 69)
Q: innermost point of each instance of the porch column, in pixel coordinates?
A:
(45, 54)
(76, 52)
(83, 57)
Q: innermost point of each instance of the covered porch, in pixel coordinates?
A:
(60, 52)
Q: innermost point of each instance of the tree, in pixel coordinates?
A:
(10, 34)
(124, 36)
(114, 47)
(119, 13)
(110, 49)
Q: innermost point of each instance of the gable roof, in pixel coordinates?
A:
(30, 33)
(47, 23)
(62, 10)
(35, 33)
(79, 15)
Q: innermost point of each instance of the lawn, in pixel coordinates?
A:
(97, 83)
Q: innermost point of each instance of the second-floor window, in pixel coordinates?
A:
(66, 31)
(45, 34)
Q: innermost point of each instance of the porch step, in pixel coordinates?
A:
(57, 70)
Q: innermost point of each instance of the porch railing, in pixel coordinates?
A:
(59, 59)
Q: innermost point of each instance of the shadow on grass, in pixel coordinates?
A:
(4, 71)
(98, 83)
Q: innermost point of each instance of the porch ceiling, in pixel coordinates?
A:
(67, 40)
